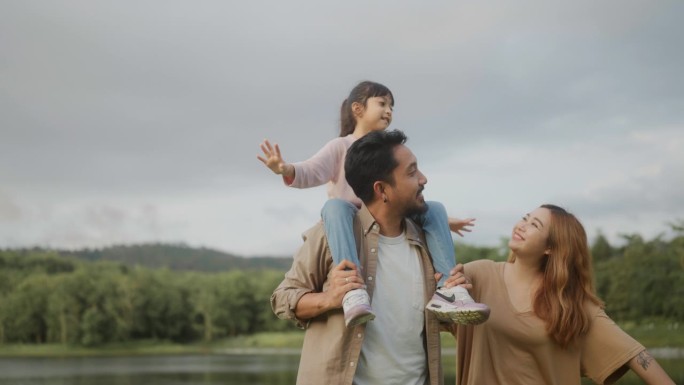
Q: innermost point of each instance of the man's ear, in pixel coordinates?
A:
(378, 190)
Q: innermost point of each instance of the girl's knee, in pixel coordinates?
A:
(337, 207)
(436, 208)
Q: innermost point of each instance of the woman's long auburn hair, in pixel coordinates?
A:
(568, 279)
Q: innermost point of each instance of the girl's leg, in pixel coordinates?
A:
(338, 220)
(435, 222)
(448, 304)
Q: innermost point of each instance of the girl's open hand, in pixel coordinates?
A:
(272, 158)
(457, 225)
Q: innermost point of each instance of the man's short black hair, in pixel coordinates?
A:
(371, 159)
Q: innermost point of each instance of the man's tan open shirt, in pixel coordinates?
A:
(331, 351)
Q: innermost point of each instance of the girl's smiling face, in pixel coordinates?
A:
(376, 114)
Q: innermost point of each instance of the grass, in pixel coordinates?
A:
(650, 334)
(656, 333)
(269, 340)
(146, 347)
(278, 340)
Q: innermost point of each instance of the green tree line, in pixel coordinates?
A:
(46, 297)
(176, 257)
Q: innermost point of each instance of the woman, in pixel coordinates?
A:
(547, 326)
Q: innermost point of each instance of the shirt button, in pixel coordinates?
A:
(351, 364)
(370, 278)
(373, 250)
(375, 227)
(359, 335)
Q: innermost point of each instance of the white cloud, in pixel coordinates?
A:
(140, 121)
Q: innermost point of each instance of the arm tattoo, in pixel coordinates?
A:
(644, 359)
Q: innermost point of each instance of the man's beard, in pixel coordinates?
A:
(416, 210)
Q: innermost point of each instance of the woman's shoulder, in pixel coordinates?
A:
(484, 263)
(482, 266)
(593, 309)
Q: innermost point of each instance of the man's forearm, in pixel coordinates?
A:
(312, 305)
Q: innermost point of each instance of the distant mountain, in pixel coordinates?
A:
(178, 257)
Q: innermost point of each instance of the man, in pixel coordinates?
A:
(401, 346)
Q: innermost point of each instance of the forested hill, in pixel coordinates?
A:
(177, 257)
(58, 297)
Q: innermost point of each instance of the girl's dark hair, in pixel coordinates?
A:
(360, 94)
(371, 159)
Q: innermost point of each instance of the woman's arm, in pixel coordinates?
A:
(646, 367)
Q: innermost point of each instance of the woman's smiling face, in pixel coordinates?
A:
(530, 235)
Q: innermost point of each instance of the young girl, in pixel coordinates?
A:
(369, 108)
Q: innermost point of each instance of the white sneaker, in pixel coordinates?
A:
(456, 305)
(357, 308)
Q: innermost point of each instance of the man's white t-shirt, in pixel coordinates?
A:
(393, 350)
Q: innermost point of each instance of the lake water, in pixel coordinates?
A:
(252, 369)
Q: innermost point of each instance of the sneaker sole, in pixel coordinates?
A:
(361, 320)
(469, 317)
(464, 317)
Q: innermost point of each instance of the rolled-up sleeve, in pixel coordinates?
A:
(284, 302)
(607, 350)
(308, 274)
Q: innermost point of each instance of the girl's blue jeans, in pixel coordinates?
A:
(338, 218)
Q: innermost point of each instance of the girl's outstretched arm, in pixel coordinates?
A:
(274, 161)
(457, 225)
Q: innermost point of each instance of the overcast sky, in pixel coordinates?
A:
(139, 121)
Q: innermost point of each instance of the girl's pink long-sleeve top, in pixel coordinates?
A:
(327, 166)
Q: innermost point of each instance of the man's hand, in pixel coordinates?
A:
(343, 278)
(341, 281)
